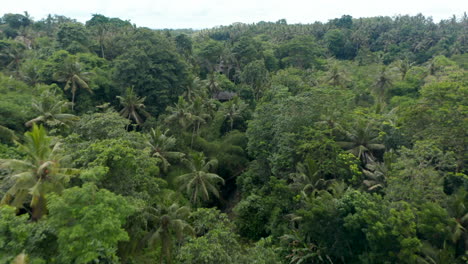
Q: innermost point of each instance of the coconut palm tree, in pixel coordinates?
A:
(161, 145)
(74, 77)
(133, 105)
(38, 174)
(197, 88)
(383, 82)
(50, 110)
(307, 178)
(213, 84)
(233, 109)
(375, 173)
(336, 76)
(199, 183)
(362, 140)
(171, 222)
(403, 67)
(180, 114)
(13, 55)
(458, 210)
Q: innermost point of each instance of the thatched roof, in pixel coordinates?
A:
(224, 96)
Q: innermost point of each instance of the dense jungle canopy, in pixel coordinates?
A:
(266, 143)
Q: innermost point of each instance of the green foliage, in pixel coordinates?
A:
(73, 37)
(14, 233)
(256, 75)
(40, 172)
(217, 246)
(199, 183)
(417, 175)
(335, 142)
(152, 66)
(263, 213)
(339, 45)
(88, 223)
(15, 103)
(121, 168)
(98, 126)
(132, 106)
(301, 52)
(171, 222)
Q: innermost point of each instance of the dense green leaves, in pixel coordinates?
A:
(337, 142)
(88, 222)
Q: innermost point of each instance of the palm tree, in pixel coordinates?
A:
(29, 72)
(199, 116)
(132, 106)
(74, 78)
(38, 174)
(361, 141)
(213, 84)
(50, 111)
(161, 145)
(171, 221)
(307, 178)
(383, 82)
(403, 67)
(336, 76)
(458, 210)
(180, 114)
(13, 55)
(199, 182)
(302, 251)
(375, 173)
(433, 255)
(233, 109)
(197, 88)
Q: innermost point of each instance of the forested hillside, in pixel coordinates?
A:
(338, 142)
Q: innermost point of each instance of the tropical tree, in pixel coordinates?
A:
(304, 252)
(234, 109)
(199, 116)
(212, 83)
(403, 67)
(197, 88)
(199, 113)
(336, 76)
(89, 224)
(199, 183)
(132, 106)
(307, 178)
(12, 54)
(383, 82)
(50, 110)
(257, 76)
(180, 114)
(458, 210)
(38, 174)
(161, 145)
(171, 222)
(74, 77)
(375, 173)
(362, 140)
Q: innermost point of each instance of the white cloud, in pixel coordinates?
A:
(208, 13)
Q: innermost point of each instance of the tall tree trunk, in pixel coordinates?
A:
(39, 209)
(73, 101)
(101, 40)
(193, 134)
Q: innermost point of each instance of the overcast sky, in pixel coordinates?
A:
(208, 13)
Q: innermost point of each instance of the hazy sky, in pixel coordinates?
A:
(209, 13)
